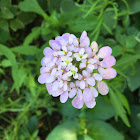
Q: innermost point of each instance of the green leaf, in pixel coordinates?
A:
(5, 63)
(16, 24)
(9, 54)
(134, 6)
(68, 110)
(133, 78)
(4, 31)
(32, 6)
(19, 75)
(33, 35)
(118, 106)
(65, 131)
(131, 42)
(109, 18)
(135, 109)
(81, 24)
(54, 6)
(86, 137)
(117, 50)
(32, 124)
(67, 5)
(125, 61)
(123, 100)
(26, 18)
(6, 13)
(98, 112)
(100, 130)
(26, 50)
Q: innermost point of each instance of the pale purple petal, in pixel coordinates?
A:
(65, 87)
(64, 97)
(72, 85)
(110, 73)
(85, 42)
(83, 35)
(57, 93)
(82, 84)
(88, 50)
(103, 88)
(87, 95)
(66, 36)
(45, 61)
(80, 76)
(97, 77)
(90, 66)
(94, 91)
(105, 52)
(48, 52)
(42, 78)
(55, 45)
(50, 79)
(82, 65)
(77, 83)
(77, 103)
(85, 73)
(72, 93)
(79, 94)
(91, 103)
(94, 46)
(49, 88)
(92, 61)
(55, 85)
(44, 70)
(90, 81)
(108, 62)
(101, 71)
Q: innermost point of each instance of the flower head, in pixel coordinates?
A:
(72, 68)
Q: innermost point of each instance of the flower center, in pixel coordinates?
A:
(73, 71)
(67, 61)
(80, 55)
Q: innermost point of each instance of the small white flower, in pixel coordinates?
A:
(79, 56)
(66, 61)
(73, 71)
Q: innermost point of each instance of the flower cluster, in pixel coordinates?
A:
(72, 68)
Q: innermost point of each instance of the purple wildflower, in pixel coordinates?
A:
(72, 68)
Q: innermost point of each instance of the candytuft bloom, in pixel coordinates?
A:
(71, 68)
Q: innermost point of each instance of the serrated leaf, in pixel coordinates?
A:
(26, 50)
(118, 107)
(65, 131)
(32, 6)
(124, 100)
(126, 60)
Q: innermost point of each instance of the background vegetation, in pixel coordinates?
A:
(27, 112)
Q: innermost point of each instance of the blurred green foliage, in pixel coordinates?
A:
(27, 112)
